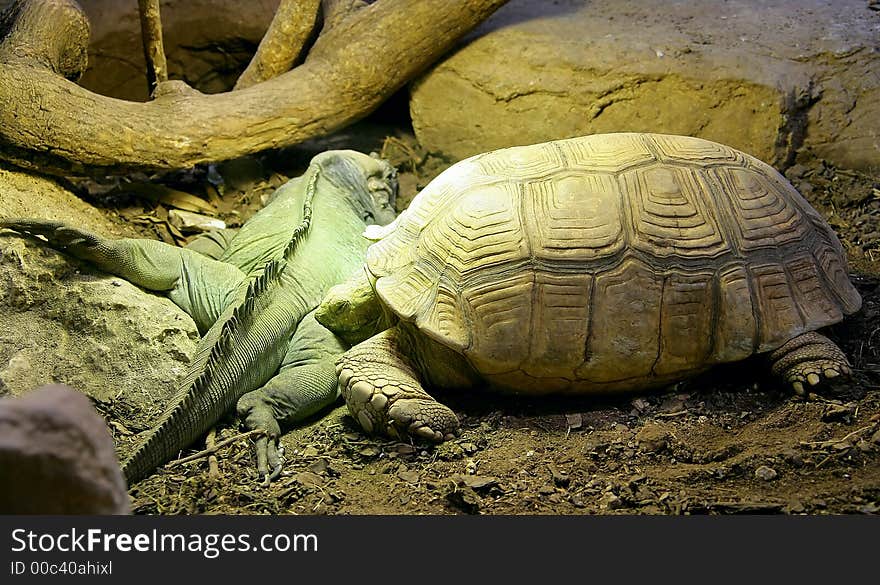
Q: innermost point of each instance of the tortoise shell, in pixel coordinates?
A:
(616, 260)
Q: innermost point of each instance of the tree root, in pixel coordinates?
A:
(50, 124)
(283, 42)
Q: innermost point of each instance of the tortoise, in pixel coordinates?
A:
(604, 263)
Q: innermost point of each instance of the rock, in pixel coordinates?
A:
(320, 467)
(464, 498)
(476, 482)
(24, 194)
(369, 452)
(674, 404)
(409, 476)
(57, 455)
(64, 321)
(652, 438)
(766, 473)
(189, 222)
(309, 479)
(641, 405)
(574, 421)
(772, 79)
(795, 507)
(839, 412)
(610, 501)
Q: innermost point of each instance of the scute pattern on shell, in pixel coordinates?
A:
(583, 261)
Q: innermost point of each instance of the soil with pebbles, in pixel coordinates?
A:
(732, 441)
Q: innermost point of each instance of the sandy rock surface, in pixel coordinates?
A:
(63, 321)
(774, 78)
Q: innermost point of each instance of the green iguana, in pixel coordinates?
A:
(252, 293)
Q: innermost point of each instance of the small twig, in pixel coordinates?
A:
(844, 439)
(671, 414)
(414, 159)
(154, 50)
(211, 443)
(216, 447)
(827, 459)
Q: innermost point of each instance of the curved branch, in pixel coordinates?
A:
(52, 34)
(55, 126)
(335, 11)
(283, 42)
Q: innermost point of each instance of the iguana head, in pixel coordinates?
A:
(370, 182)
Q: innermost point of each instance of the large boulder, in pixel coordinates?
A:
(62, 321)
(57, 456)
(777, 79)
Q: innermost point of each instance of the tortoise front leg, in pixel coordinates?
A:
(383, 392)
(809, 358)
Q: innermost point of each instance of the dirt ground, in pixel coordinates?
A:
(731, 441)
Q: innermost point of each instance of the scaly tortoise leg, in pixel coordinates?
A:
(808, 358)
(383, 393)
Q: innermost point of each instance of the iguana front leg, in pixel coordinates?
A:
(305, 384)
(197, 284)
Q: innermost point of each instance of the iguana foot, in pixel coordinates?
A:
(257, 414)
(808, 359)
(296, 393)
(384, 396)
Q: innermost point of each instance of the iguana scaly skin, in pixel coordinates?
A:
(252, 293)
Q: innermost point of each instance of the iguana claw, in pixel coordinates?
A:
(276, 471)
(268, 454)
(78, 242)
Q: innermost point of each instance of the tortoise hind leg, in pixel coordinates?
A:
(383, 392)
(807, 359)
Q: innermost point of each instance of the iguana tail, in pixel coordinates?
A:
(237, 354)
